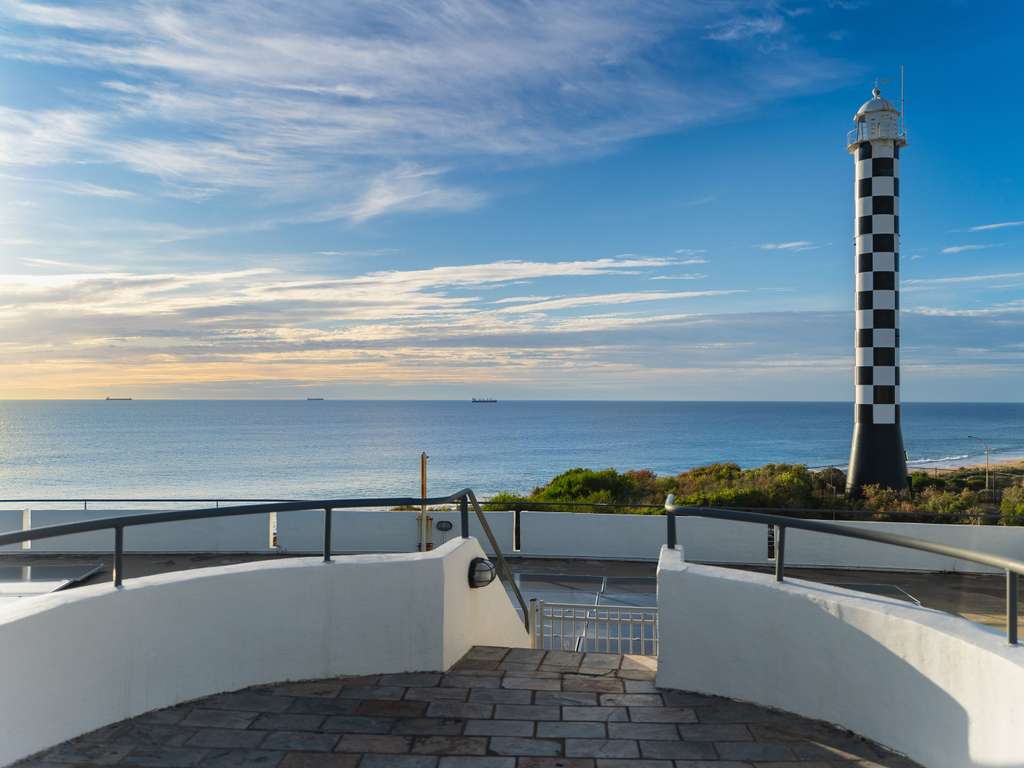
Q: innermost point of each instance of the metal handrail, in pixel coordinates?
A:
(465, 497)
(503, 570)
(866, 515)
(526, 505)
(123, 500)
(80, 500)
(1012, 568)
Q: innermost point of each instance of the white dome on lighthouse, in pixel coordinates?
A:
(875, 104)
(877, 119)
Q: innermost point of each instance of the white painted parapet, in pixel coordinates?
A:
(636, 537)
(944, 691)
(77, 660)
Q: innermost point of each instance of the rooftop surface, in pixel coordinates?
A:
(496, 708)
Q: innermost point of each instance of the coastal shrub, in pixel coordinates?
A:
(723, 484)
(587, 490)
(885, 500)
(605, 486)
(943, 503)
(829, 485)
(773, 485)
(1011, 510)
(946, 505)
(921, 481)
(502, 502)
(974, 483)
(950, 497)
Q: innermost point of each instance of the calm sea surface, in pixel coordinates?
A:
(303, 449)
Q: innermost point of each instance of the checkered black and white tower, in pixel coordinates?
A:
(876, 456)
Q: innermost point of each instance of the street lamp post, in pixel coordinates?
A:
(972, 437)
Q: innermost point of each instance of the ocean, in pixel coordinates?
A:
(329, 448)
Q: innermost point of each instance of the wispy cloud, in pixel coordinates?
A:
(793, 245)
(963, 279)
(521, 299)
(80, 188)
(615, 298)
(291, 99)
(692, 255)
(963, 248)
(410, 187)
(970, 312)
(692, 276)
(746, 27)
(696, 202)
(44, 137)
(998, 225)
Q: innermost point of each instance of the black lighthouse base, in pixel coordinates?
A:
(876, 458)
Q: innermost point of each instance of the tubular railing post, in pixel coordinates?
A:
(1011, 607)
(118, 555)
(533, 622)
(327, 534)
(780, 552)
(670, 524)
(464, 516)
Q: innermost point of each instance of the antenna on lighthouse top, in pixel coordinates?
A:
(902, 128)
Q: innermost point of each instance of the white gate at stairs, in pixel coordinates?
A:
(594, 628)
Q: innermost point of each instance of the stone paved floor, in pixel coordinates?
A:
(496, 708)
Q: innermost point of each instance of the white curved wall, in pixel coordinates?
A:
(77, 660)
(946, 692)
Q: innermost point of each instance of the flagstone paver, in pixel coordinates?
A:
(496, 708)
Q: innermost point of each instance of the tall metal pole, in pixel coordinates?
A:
(423, 507)
(987, 474)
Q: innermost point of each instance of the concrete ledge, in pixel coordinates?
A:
(935, 687)
(75, 661)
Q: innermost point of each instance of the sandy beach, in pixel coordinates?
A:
(1014, 465)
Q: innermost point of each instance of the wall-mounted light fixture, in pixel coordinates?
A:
(481, 572)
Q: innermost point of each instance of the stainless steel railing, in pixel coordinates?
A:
(1012, 568)
(464, 498)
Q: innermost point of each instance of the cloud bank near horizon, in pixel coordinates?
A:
(406, 332)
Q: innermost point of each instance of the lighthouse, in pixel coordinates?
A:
(876, 455)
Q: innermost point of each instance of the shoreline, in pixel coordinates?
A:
(995, 465)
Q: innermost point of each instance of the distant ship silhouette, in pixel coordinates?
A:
(118, 398)
(484, 400)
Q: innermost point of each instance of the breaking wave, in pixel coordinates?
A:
(958, 457)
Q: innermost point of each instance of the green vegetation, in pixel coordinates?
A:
(952, 496)
(1012, 507)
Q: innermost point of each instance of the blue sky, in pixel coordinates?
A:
(552, 200)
